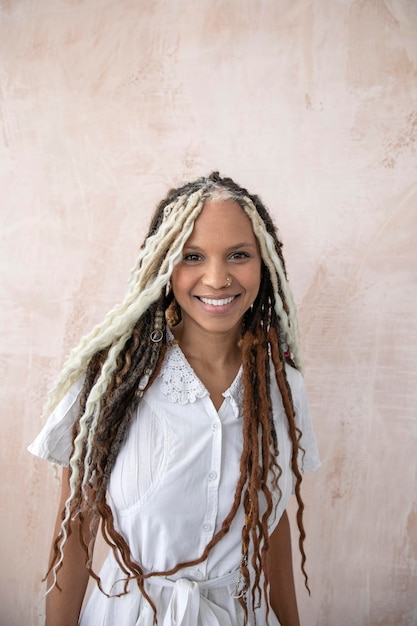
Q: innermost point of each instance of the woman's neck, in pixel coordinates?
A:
(212, 349)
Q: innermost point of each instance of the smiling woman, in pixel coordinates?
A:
(183, 428)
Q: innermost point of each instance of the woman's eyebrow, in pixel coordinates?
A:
(244, 244)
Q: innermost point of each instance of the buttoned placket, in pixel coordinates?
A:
(212, 477)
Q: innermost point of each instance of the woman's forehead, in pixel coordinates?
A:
(224, 218)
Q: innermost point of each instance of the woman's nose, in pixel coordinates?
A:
(216, 276)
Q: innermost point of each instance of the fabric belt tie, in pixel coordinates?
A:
(186, 602)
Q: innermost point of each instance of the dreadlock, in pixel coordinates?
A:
(120, 361)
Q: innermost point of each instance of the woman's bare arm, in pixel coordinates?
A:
(281, 578)
(63, 607)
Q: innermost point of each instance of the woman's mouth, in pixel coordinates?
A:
(217, 301)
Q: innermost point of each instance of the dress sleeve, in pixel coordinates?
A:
(308, 460)
(54, 442)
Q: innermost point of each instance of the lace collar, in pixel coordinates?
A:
(180, 383)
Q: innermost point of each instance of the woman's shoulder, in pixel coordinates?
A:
(294, 376)
(54, 442)
(298, 390)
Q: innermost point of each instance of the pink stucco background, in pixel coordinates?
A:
(313, 105)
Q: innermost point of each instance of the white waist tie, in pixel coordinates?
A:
(186, 603)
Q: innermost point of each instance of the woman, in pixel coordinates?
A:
(182, 425)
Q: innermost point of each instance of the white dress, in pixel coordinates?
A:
(170, 490)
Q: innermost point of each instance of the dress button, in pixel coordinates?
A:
(206, 527)
(215, 425)
(199, 575)
(212, 475)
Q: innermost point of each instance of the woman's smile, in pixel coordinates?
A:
(218, 302)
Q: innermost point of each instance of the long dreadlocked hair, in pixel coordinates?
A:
(120, 361)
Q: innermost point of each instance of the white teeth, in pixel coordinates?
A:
(217, 302)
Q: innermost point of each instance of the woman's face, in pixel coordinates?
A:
(219, 275)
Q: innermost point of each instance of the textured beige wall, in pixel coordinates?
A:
(312, 104)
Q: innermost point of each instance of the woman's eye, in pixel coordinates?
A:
(239, 256)
(191, 257)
